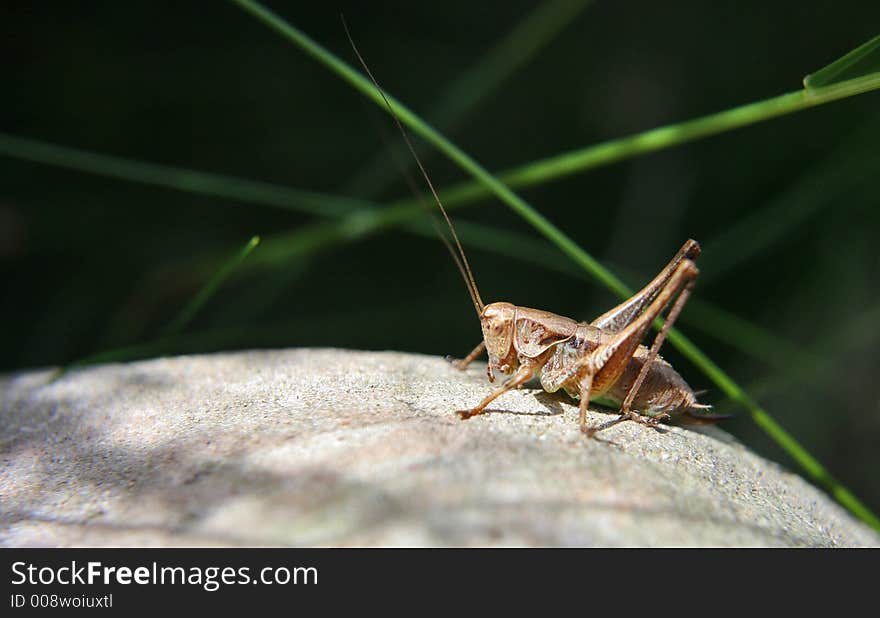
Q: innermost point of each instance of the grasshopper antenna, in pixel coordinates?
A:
(419, 196)
(461, 259)
(414, 189)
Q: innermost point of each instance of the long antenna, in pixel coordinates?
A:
(432, 217)
(463, 264)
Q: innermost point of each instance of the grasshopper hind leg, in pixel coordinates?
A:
(610, 361)
(626, 411)
(577, 378)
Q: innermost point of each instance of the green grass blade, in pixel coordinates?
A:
(177, 178)
(189, 311)
(605, 153)
(680, 133)
(860, 62)
(176, 325)
(653, 140)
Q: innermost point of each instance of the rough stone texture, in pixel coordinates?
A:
(331, 447)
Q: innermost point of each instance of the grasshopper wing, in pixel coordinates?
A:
(537, 331)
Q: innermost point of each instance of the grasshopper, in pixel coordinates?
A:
(600, 360)
(603, 359)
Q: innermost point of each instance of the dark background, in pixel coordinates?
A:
(786, 209)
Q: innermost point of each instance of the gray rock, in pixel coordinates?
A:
(331, 447)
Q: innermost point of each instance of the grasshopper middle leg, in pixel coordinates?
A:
(627, 341)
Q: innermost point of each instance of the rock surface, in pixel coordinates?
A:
(339, 448)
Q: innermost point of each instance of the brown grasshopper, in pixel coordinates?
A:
(603, 359)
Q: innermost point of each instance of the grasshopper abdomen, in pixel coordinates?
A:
(663, 390)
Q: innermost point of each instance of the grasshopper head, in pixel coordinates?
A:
(496, 321)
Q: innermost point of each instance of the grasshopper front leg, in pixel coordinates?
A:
(522, 375)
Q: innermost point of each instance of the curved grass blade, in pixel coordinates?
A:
(177, 324)
(178, 178)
